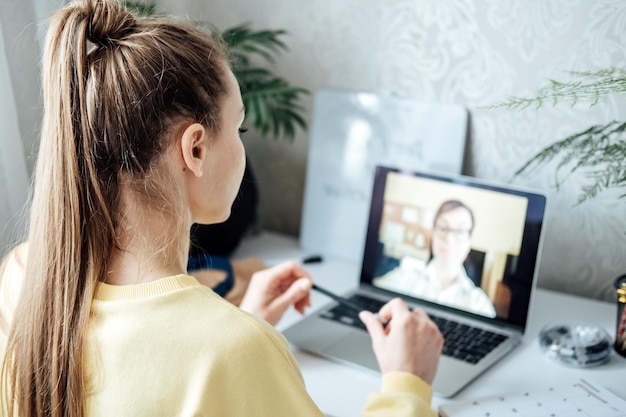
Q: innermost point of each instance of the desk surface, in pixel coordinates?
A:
(524, 368)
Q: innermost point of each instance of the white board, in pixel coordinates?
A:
(351, 133)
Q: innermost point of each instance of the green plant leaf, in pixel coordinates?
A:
(265, 95)
(272, 104)
(243, 43)
(599, 149)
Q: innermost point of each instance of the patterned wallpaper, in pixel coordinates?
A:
(474, 53)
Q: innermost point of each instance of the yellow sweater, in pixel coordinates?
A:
(173, 347)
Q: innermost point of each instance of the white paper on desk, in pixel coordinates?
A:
(351, 133)
(580, 399)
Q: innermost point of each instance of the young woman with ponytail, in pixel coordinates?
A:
(141, 117)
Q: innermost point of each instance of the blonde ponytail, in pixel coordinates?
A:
(113, 87)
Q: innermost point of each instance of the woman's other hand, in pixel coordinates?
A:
(410, 342)
(271, 291)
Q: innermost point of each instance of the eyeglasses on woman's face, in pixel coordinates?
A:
(459, 234)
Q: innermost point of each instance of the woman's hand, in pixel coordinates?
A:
(410, 342)
(271, 291)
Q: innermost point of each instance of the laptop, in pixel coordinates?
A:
(415, 221)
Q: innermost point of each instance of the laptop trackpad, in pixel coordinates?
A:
(356, 348)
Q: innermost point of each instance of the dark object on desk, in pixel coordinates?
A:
(312, 259)
(620, 330)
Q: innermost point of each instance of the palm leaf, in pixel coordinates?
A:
(243, 43)
(264, 94)
(272, 104)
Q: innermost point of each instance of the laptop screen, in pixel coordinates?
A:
(456, 242)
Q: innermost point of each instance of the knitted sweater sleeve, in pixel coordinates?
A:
(402, 395)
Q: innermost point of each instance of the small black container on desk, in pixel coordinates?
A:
(620, 331)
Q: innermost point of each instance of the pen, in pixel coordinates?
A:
(346, 302)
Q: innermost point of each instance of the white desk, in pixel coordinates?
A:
(341, 391)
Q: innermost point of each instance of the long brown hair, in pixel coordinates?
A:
(114, 86)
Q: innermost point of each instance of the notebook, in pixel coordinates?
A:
(579, 398)
(464, 250)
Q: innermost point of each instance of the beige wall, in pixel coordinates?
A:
(469, 52)
(473, 53)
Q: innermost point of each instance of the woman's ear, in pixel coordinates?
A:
(193, 147)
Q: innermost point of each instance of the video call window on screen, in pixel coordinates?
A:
(450, 244)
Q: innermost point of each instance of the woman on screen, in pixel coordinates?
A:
(443, 279)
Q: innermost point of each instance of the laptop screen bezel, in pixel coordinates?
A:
(529, 255)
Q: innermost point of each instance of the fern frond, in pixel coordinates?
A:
(587, 86)
(601, 149)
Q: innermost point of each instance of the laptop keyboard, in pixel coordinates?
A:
(461, 341)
